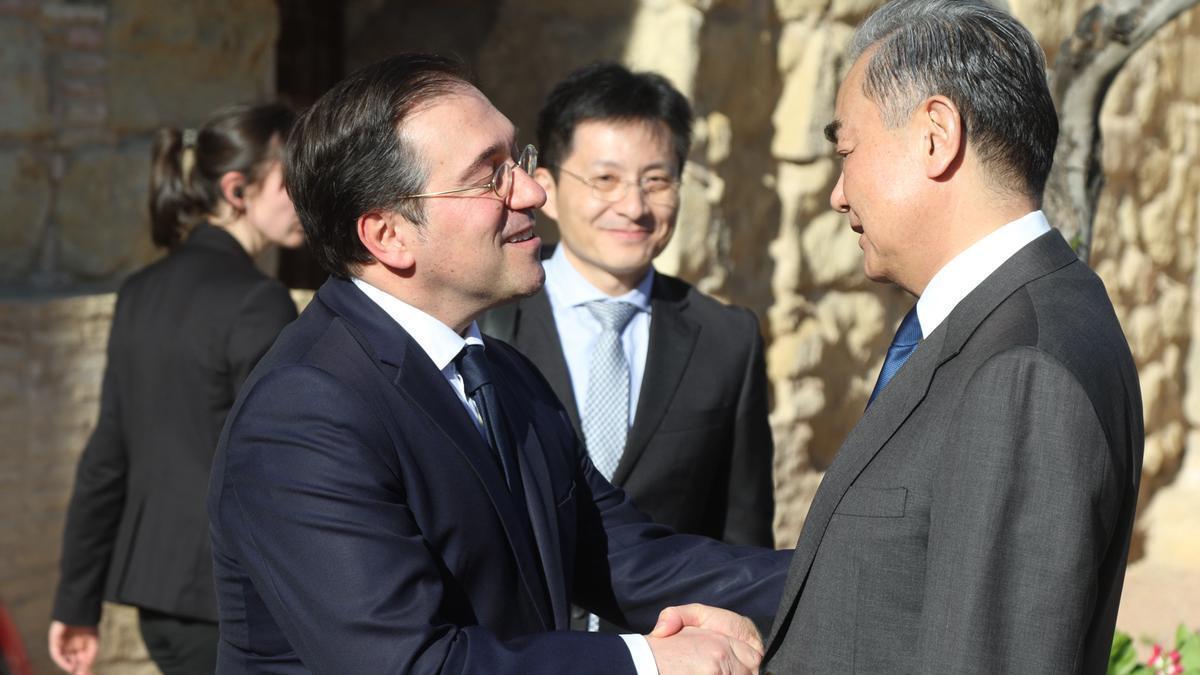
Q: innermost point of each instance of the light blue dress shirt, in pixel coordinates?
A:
(578, 330)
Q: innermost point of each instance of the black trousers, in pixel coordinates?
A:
(177, 645)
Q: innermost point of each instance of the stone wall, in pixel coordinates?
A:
(85, 83)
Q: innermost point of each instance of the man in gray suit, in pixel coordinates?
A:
(977, 519)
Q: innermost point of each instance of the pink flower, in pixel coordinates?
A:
(1158, 660)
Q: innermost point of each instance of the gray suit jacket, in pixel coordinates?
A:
(977, 519)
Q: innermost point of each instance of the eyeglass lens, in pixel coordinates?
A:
(656, 190)
(502, 181)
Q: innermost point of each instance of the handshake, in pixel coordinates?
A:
(701, 639)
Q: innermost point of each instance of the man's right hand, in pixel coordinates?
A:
(74, 648)
(696, 650)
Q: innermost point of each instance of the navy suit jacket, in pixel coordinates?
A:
(360, 523)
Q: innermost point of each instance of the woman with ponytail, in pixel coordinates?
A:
(186, 332)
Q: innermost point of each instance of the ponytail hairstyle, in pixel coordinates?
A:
(187, 165)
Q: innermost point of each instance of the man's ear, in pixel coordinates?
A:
(233, 189)
(388, 237)
(943, 139)
(546, 180)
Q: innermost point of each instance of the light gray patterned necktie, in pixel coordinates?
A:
(606, 417)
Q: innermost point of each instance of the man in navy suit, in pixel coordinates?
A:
(393, 492)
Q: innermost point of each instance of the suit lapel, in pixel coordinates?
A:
(1044, 255)
(539, 498)
(537, 338)
(423, 386)
(672, 339)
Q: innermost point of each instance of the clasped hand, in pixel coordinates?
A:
(701, 639)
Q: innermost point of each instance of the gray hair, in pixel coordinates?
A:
(983, 60)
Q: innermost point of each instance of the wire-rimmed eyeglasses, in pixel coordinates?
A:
(658, 189)
(502, 179)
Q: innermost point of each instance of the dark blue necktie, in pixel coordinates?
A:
(477, 381)
(908, 335)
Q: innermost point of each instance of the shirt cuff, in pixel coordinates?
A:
(639, 649)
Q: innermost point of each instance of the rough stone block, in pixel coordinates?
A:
(664, 38)
(1144, 332)
(799, 10)
(810, 87)
(853, 11)
(104, 228)
(1136, 276)
(24, 90)
(859, 321)
(832, 251)
(1173, 308)
(24, 205)
(195, 52)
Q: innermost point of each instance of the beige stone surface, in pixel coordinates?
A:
(51, 361)
(1162, 590)
(122, 651)
(665, 37)
(810, 57)
(799, 10)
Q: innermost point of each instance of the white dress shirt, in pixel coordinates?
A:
(435, 338)
(578, 329)
(968, 269)
(442, 344)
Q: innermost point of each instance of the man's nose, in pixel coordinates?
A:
(633, 203)
(837, 198)
(526, 193)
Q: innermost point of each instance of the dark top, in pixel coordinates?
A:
(186, 331)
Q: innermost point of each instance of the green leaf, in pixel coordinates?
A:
(1188, 645)
(1121, 642)
(1122, 659)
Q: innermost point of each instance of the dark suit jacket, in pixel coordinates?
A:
(186, 331)
(699, 455)
(977, 519)
(361, 524)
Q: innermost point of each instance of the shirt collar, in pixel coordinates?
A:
(968, 269)
(567, 287)
(435, 338)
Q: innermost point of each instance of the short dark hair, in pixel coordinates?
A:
(346, 155)
(187, 165)
(610, 91)
(981, 58)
